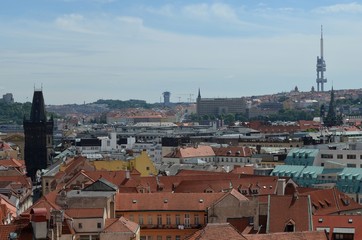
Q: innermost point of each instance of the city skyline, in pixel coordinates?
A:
(81, 51)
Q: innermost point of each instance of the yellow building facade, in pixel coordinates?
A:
(141, 163)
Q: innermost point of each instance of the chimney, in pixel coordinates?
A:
(281, 187)
(39, 223)
(128, 174)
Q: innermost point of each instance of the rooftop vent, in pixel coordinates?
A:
(201, 200)
(320, 220)
(350, 220)
(134, 201)
(165, 200)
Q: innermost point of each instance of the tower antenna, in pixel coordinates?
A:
(321, 66)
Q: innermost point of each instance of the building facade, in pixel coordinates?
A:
(218, 106)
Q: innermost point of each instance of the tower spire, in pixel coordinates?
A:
(321, 66)
(322, 41)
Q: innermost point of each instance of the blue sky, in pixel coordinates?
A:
(84, 50)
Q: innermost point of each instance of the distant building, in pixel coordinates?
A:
(166, 98)
(218, 106)
(38, 137)
(8, 98)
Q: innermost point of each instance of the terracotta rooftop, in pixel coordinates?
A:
(233, 151)
(288, 236)
(289, 210)
(192, 152)
(165, 201)
(332, 222)
(12, 163)
(24, 180)
(217, 231)
(168, 183)
(263, 184)
(331, 201)
(120, 225)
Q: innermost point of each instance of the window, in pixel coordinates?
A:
(178, 237)
(99, 225)
(351, 156)
(149, 219)
(140, 219)
(339, 156)
(351, 165)
(80, 225)
(177, 220)
(159, 219)
(344, 236)
(159, 237)
(147, 168)
(168, 237)
(329, 156)
(168, 219)
(289, 227)
(187, 220)
(131, 217)
(196, 219)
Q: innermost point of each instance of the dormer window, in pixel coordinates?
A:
(290, 226)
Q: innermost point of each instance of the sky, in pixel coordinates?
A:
(83, 50)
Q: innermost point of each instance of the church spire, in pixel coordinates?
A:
(37, 113)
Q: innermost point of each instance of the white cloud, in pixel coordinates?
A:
(165, 10)
(203, 11)
(131, 20)
(340, 8)
(74, 23)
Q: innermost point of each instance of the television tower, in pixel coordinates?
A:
(321, 67)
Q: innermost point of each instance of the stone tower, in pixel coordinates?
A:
(38, 133)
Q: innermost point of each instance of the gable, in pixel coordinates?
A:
(101, 185)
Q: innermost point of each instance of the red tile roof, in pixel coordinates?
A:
(233, 151)
(24, 180)
(188, 172)
(165, 201)
(192, 152)
(331, 201)
(217, 231)
(264, 184)
(120, 225)
(12, 163)
(5, 230)
(288, 236)
(339, 221)
(243, 170)
(289, 209)
(169, 183)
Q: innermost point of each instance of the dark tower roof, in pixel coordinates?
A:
(38, 108)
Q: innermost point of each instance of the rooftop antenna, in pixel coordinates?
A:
(321, 66)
